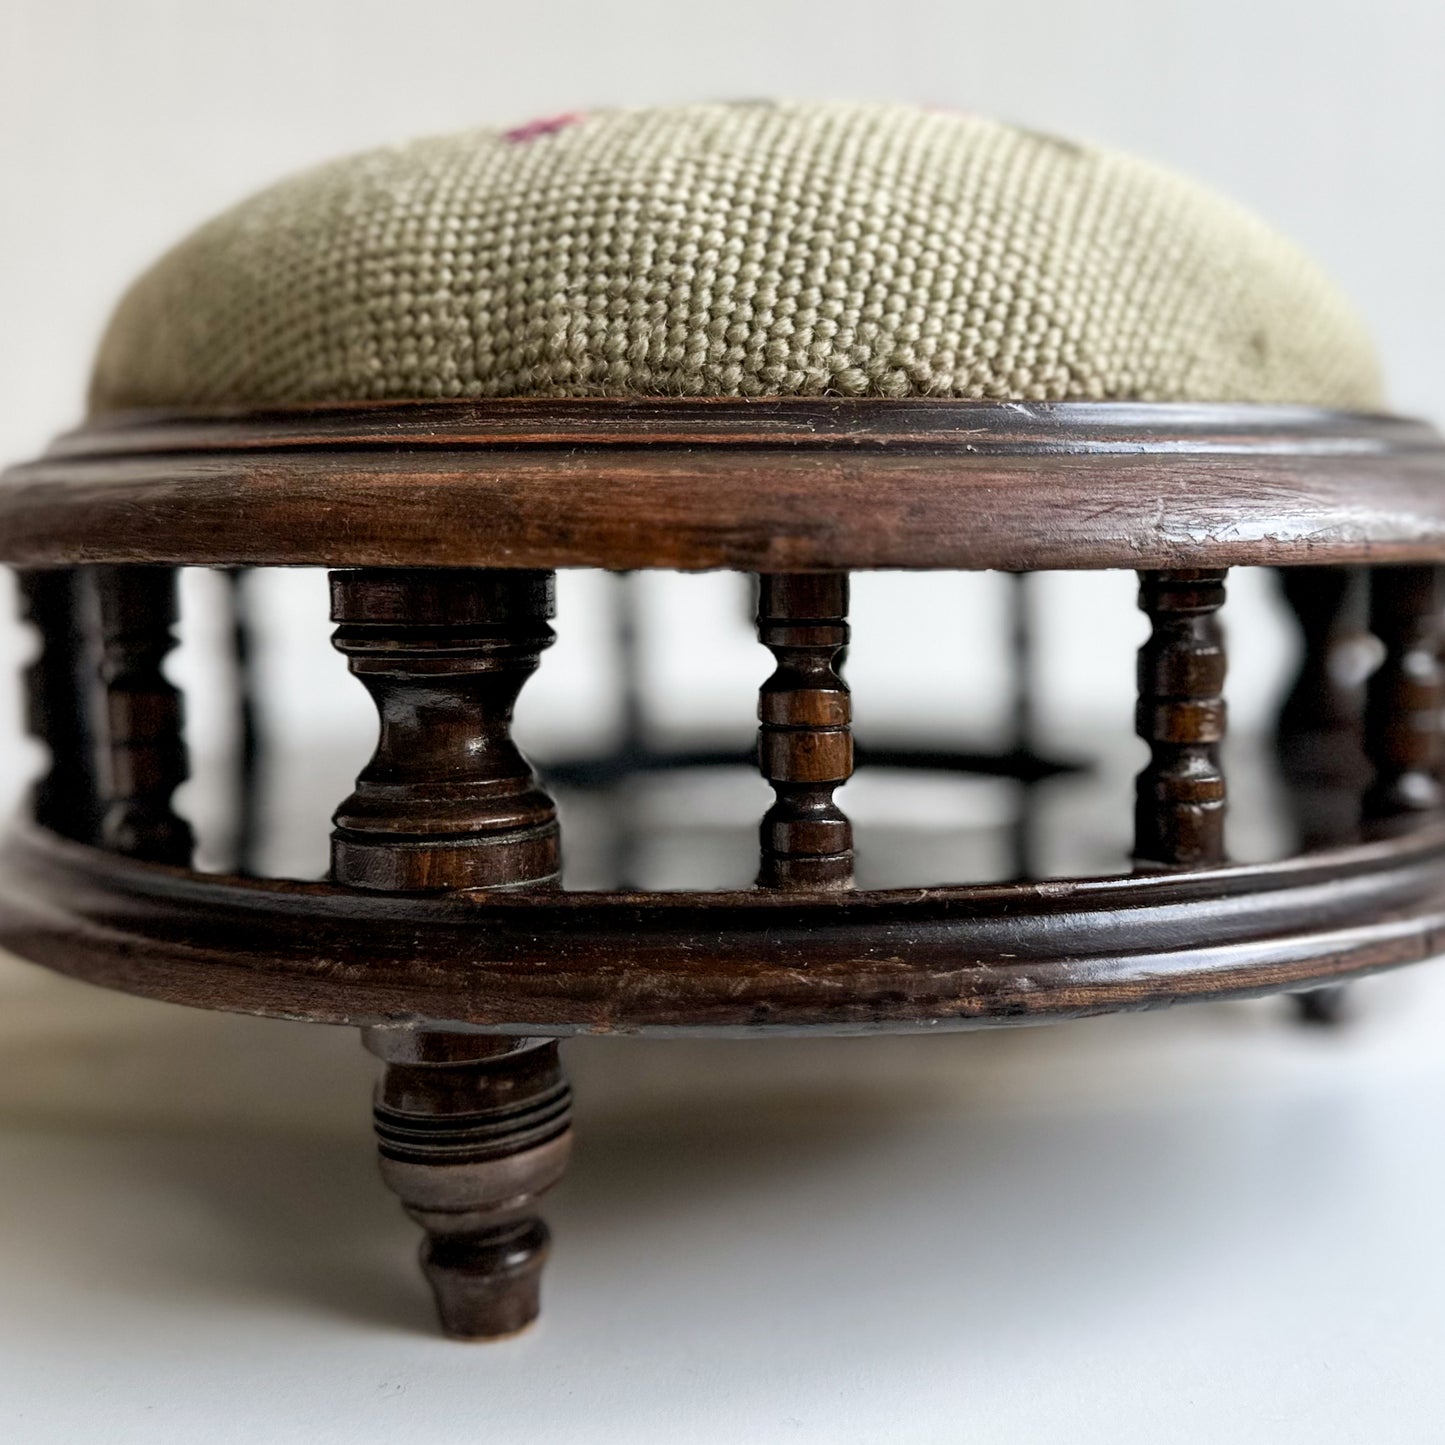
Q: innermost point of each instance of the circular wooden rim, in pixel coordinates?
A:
(767, 485)
(564, 963)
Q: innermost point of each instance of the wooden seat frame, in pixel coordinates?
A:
(443, 931)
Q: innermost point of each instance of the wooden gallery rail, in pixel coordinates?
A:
(443, 930)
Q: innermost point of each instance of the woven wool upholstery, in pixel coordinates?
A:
(736, 250)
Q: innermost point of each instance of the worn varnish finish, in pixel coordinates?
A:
(756, 486)
(442, 931)
(830, 423)
(805, 743)
(472, 1129)
(143, 755)
(1404, 698)
(1180, 795)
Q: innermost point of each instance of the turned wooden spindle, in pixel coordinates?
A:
(249, 781)
(59, 690)
(805, 743)
(1319, 733)
(1403, 699)
(142, 753)
(1180, 795)
(447, 800)
(472, 1129)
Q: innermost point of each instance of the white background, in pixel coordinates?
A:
(1205, 1227)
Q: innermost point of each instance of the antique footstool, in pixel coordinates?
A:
(792, 341)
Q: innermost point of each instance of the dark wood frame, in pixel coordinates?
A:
(754, 486)
(443, 930)
(860, 961)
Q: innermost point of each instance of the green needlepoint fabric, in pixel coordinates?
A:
(736, 250)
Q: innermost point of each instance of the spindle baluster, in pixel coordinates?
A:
(1403, 699)
(1319, 735)
(805, 743)
(1180, 795)
(143, 754)
(60, 695)
(447, 800)
(472, 1129)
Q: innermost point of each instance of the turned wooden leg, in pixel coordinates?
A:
(473, 1128)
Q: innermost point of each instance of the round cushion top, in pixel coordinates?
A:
(736, 250)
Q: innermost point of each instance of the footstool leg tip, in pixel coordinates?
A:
(487, 1287)
(473, 1131)
(1328, 1007)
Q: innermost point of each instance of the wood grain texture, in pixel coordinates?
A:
(763, 486)
(851, 962)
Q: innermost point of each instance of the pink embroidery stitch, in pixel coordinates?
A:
(549, 125)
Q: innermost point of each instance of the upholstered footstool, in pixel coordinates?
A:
(791, 341)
